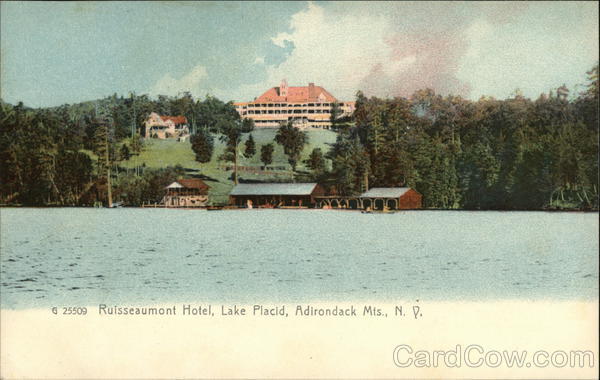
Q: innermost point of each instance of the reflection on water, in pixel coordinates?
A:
(85, 256)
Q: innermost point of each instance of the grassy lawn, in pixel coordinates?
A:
(163, 153)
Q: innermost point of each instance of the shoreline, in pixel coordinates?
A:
(226, 208)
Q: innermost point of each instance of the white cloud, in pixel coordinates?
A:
(536, 52)
(334, 52)
(167, 85)
(389, 49)
(477, 34)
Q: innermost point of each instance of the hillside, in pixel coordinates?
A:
(163, 153)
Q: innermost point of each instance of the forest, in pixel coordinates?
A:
(511, 154)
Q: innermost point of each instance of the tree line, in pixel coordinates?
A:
(516, 153)
(66, 155)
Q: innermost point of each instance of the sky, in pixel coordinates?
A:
(67, 52)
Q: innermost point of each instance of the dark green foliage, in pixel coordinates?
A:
(102, 145)
(489, 154)
(350, 164)
(202, 145)
(334, 118)
(516, 153)
(250, 150)
(232, 127)
(148, 187)
(43, 155)
(136, 144)
(124, 153)
(215, 115)
(266, 154)
(232, 131)
(293, 141)
(39, 165)
(316, 161)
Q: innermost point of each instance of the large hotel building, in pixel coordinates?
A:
(307, 107)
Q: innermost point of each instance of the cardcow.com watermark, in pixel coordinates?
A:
(475, 356)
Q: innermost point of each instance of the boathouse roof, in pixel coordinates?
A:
(188, 183)
(385, 192)
(274, 189)
(174, 185)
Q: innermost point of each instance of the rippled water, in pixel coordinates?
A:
(85, 256)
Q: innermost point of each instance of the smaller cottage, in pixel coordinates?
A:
(191, 192)
(395, 198)
(275, 194)
(164, 127)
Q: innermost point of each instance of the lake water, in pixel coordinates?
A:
(76, 257)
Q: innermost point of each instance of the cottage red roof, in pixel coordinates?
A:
(175, 119)
(193, 183)
(302, 94)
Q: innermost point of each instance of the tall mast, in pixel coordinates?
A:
(105, 122)
(106, 155)
(133, 128)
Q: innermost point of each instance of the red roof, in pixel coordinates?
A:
(193, 183)
(296, 95)
(175, 119)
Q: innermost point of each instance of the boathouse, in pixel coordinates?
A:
(275, 194)
(395, 198)
(190, 192)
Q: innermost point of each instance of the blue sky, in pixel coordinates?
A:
(54, 53)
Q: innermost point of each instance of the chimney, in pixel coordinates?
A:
(283, 88)
(311, 91)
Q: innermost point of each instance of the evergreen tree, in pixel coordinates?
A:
(232, 130)
(202, 145)
(316, 161)
(350, 164)
(293, 141)
(250, 150)
(124, 153)
(334, 118)
(515, 153)
(266, 154)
